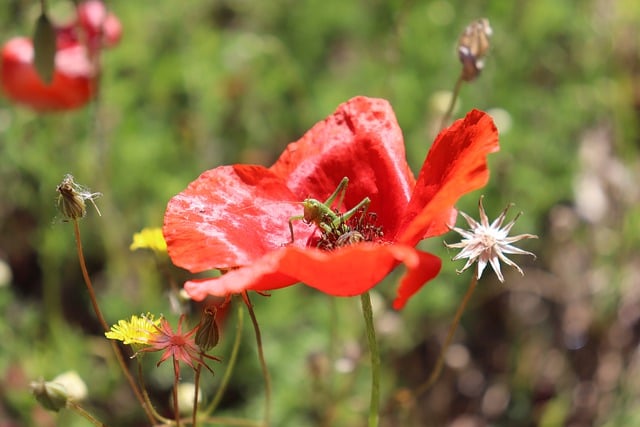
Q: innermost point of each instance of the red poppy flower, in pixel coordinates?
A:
(75, 75)
(236, 217)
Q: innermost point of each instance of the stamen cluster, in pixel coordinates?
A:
(360, 227)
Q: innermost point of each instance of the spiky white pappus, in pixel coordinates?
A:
(488, 243)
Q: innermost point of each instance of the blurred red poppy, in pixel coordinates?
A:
(76, 71)
(237, 217)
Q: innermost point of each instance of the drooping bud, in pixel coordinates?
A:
(52, 395)
(44, 49)
(208, 334)
(473, 46)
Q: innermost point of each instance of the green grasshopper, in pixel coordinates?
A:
(325, 218)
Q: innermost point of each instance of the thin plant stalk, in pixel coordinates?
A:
(105, 326)
(74, 406)
(87, 279)
(263, 363)
(374, 406)
(194, 415)
(229, 421)
(147, 400)
(452, 329)
(230, 365)
(176, 380)
(452, 103)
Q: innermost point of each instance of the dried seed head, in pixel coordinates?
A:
(208, 335)
(71, 199)
(473, 46)
(488, 243)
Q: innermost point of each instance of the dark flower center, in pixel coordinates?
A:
(359, 227)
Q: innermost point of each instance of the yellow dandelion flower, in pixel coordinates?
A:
(149, 238)
(138, 330)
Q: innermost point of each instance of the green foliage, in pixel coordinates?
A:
(197, 84)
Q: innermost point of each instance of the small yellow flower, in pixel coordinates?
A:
(138, 330)
(149, 238)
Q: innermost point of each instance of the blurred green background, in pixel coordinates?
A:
(197, 84)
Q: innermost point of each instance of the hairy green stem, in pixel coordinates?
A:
(374, 406)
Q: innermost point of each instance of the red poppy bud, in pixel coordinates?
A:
(44, 44)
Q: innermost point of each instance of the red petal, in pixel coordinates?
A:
(427, 267)
(362, 141)
(73, 80)
(345, 272)
(231, 216)
(456, 164)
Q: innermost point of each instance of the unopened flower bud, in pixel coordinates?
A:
(75, 387)
(44, 49)
(208, 334)
(52, 395)
(473, 46)
(186, 394)
(71, 200)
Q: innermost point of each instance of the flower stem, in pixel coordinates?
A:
(228, 421)
(105, 326)
(147, 400)
(176, 380)
(374, 406)
(452, 103)
(452, 329)
(87, 279)
(263, 363)
(194, 415)
(74, 406)
(231, 365)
